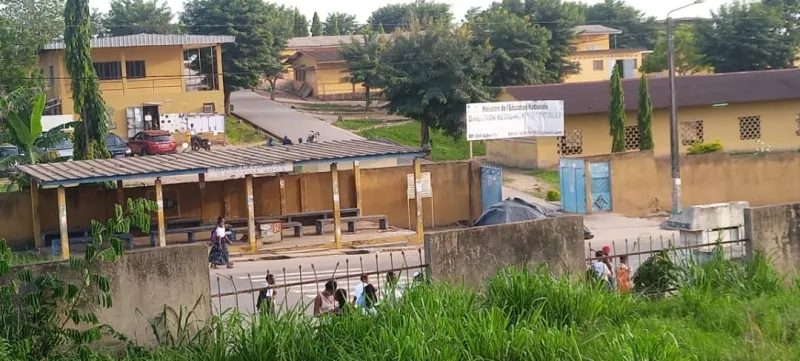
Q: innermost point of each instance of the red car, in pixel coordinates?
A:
(152, 142)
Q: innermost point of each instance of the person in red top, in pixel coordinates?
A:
(607, 261)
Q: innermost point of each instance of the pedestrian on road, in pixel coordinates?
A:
(600, 269)
(370, 300)
(325, 301)
(359, 289)
(341, 300)
(266, 298)
(219, 246)
(623, 275)
(607, 260)
(286, 140)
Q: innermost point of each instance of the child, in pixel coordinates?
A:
(623, 275)
(600, 269)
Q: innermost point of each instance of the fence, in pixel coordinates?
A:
(297, 290)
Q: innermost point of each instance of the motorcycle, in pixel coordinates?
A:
(199, 142)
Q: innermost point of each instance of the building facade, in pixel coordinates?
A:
(148, 81)
(744, 111)
(597, 55)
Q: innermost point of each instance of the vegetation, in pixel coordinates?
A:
(238, 132)
(688, 58)
(616, 113)
(704, 148)
(340, 24)
(644, 116)
(553, 196)
(550, 178)
(364, 62)
(130, 17)
(403, 15)
(300, 27)
(443, 147)
(638, 31)
(316, 25)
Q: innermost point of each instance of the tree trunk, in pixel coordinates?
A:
(227, 102)
(368, 98)
(425, 137)
(272, 88)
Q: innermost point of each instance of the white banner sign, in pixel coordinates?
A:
(542, 118)
(427, 189)
(243, 170)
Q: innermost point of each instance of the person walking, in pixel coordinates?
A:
(368, 300)
(600, 269)
(286, 140)
(266, 298)
(359, 288)
(623, 275)
(219, 255)
(612, 280)
(325, 302)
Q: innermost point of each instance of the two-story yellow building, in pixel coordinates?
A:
(148, 81)
(597, 56)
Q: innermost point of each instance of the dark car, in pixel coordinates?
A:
(150, 142)
(116, 146)
(63, 150)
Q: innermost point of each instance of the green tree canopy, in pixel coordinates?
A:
(616, 113)
(688, 59)
(98, 28)
(316, 25)
(402, 15)
(300, 27)
(128, 17)
(519, 50)
(638, 31)
(747, 36)
(433, 74)
(644, 116)
(38, 21)
(19, 59)
(364, 61)
(340, 24)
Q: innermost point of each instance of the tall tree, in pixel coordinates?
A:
(638, 31)
(316, 25)
(519, 50)
(300, 27)
(432, 75)
(127, 17)
(39, 21)
(340, 23)
(688, 59)
(19, 56)
(402, 15)
(644, 116)
(245, 60)
(281, 27)
(747, 36)
(364, 62)
(616, 113)
(98, 28)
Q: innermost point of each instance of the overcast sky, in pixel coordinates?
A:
(363, 8)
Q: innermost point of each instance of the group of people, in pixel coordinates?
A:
(365, 296)
(603, 269)
(312, 138)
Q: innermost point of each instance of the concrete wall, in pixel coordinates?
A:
(142, 282)
(586, 60)
(775, 230)
(473, 255)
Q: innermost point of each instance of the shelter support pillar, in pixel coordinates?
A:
(282, 189)
(37, 225)
(120, 194)
(303, 193)
(357, 181)
(201, 183)
(162, 229)
(337, 216)
(418, 197)
(251, 213)
(62, 222)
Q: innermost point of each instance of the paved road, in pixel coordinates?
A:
(280, 120)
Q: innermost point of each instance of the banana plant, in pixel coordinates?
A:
(24, 122)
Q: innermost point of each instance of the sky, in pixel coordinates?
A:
(363, 8)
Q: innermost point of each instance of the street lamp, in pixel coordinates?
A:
(673, 116)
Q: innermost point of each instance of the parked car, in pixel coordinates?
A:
(116, 146)
(150, 142)
(63, 149)
(6, 167)
(517, 210)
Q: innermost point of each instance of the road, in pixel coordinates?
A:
(280, 120)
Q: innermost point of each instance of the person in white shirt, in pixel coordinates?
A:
(219, 246)
(600, 269)
(358, 290)
(266, 298)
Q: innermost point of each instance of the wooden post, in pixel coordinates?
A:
(282, 189)
(470, 189)
(418, 196)
(303, 194)
(62, 222)
(357, 180)
(120, 194)
(251, 213)
(337, 216)
(201, 183)
(37, 224)
(162, 229)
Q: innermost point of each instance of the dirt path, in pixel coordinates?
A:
(518, 180)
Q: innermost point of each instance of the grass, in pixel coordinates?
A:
(239, 132)
(357, 125)
(329, 107)
(444, 147)
(550, 178)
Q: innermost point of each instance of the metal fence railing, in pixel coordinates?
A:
(297, 287)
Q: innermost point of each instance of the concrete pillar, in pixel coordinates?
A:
(201, 183)
(251, 217)
(120, 194)
(303, 193)
(357, 181)
(62, 223)
(418, 197)
(162, 229)
(337, 215)
(775, 232)
(37, 224)
(282, 189)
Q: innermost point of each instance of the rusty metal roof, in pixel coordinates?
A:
(596, 30)
(200, 162)
(321, 56)
(126, 41)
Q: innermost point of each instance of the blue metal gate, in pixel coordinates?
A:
(572, 173)
(491, 185)
(601, 186)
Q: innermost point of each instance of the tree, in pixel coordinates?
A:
(91, 132)
(638, 31)
(688, 59)
(300, 24)
(98, 28)
(316, 25)
(616, 113)
(746, 37)
(394, 16)
(245, 60)
(19, 58)
(38, 21)
(644, 116)
(340, 24)
(519, 49)
(432, 75)
(128, 17)
(364, 62)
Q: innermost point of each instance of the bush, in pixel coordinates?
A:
(705, 148)
(553, 196)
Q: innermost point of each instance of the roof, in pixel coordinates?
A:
(609, 51)
(696, 90)
(321, 56)
(149, 40)
(596, 30)
(326, 41)
(219, 160)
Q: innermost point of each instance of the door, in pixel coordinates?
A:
(628, 69)
(572, 173)
(135, 121)
(491, 186)
(136, 143)
(601, 186)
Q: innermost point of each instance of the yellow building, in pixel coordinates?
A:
(744, 111)
(597, 56)
(147, 81)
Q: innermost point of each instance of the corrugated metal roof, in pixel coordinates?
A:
(323, 56)
(596, 30)
(324, 41)
(101, 170)
(150, 40)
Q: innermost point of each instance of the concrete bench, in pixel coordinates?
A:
(296, 226)
(383, 222)
(55, 246)
(324, 214)
(190, 232)
(72, 233)
(185, 222)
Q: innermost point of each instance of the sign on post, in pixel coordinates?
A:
(427, 189)
(243, 170)
(501, 120)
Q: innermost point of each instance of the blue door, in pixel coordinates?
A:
(601, 186)
(572, 173)
(491, 186)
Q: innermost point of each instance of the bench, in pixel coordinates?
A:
(297, 228)
(185, 222)
(190, 232)
(72, 233)
(383, 222)
(325, 214)
(55, 246)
